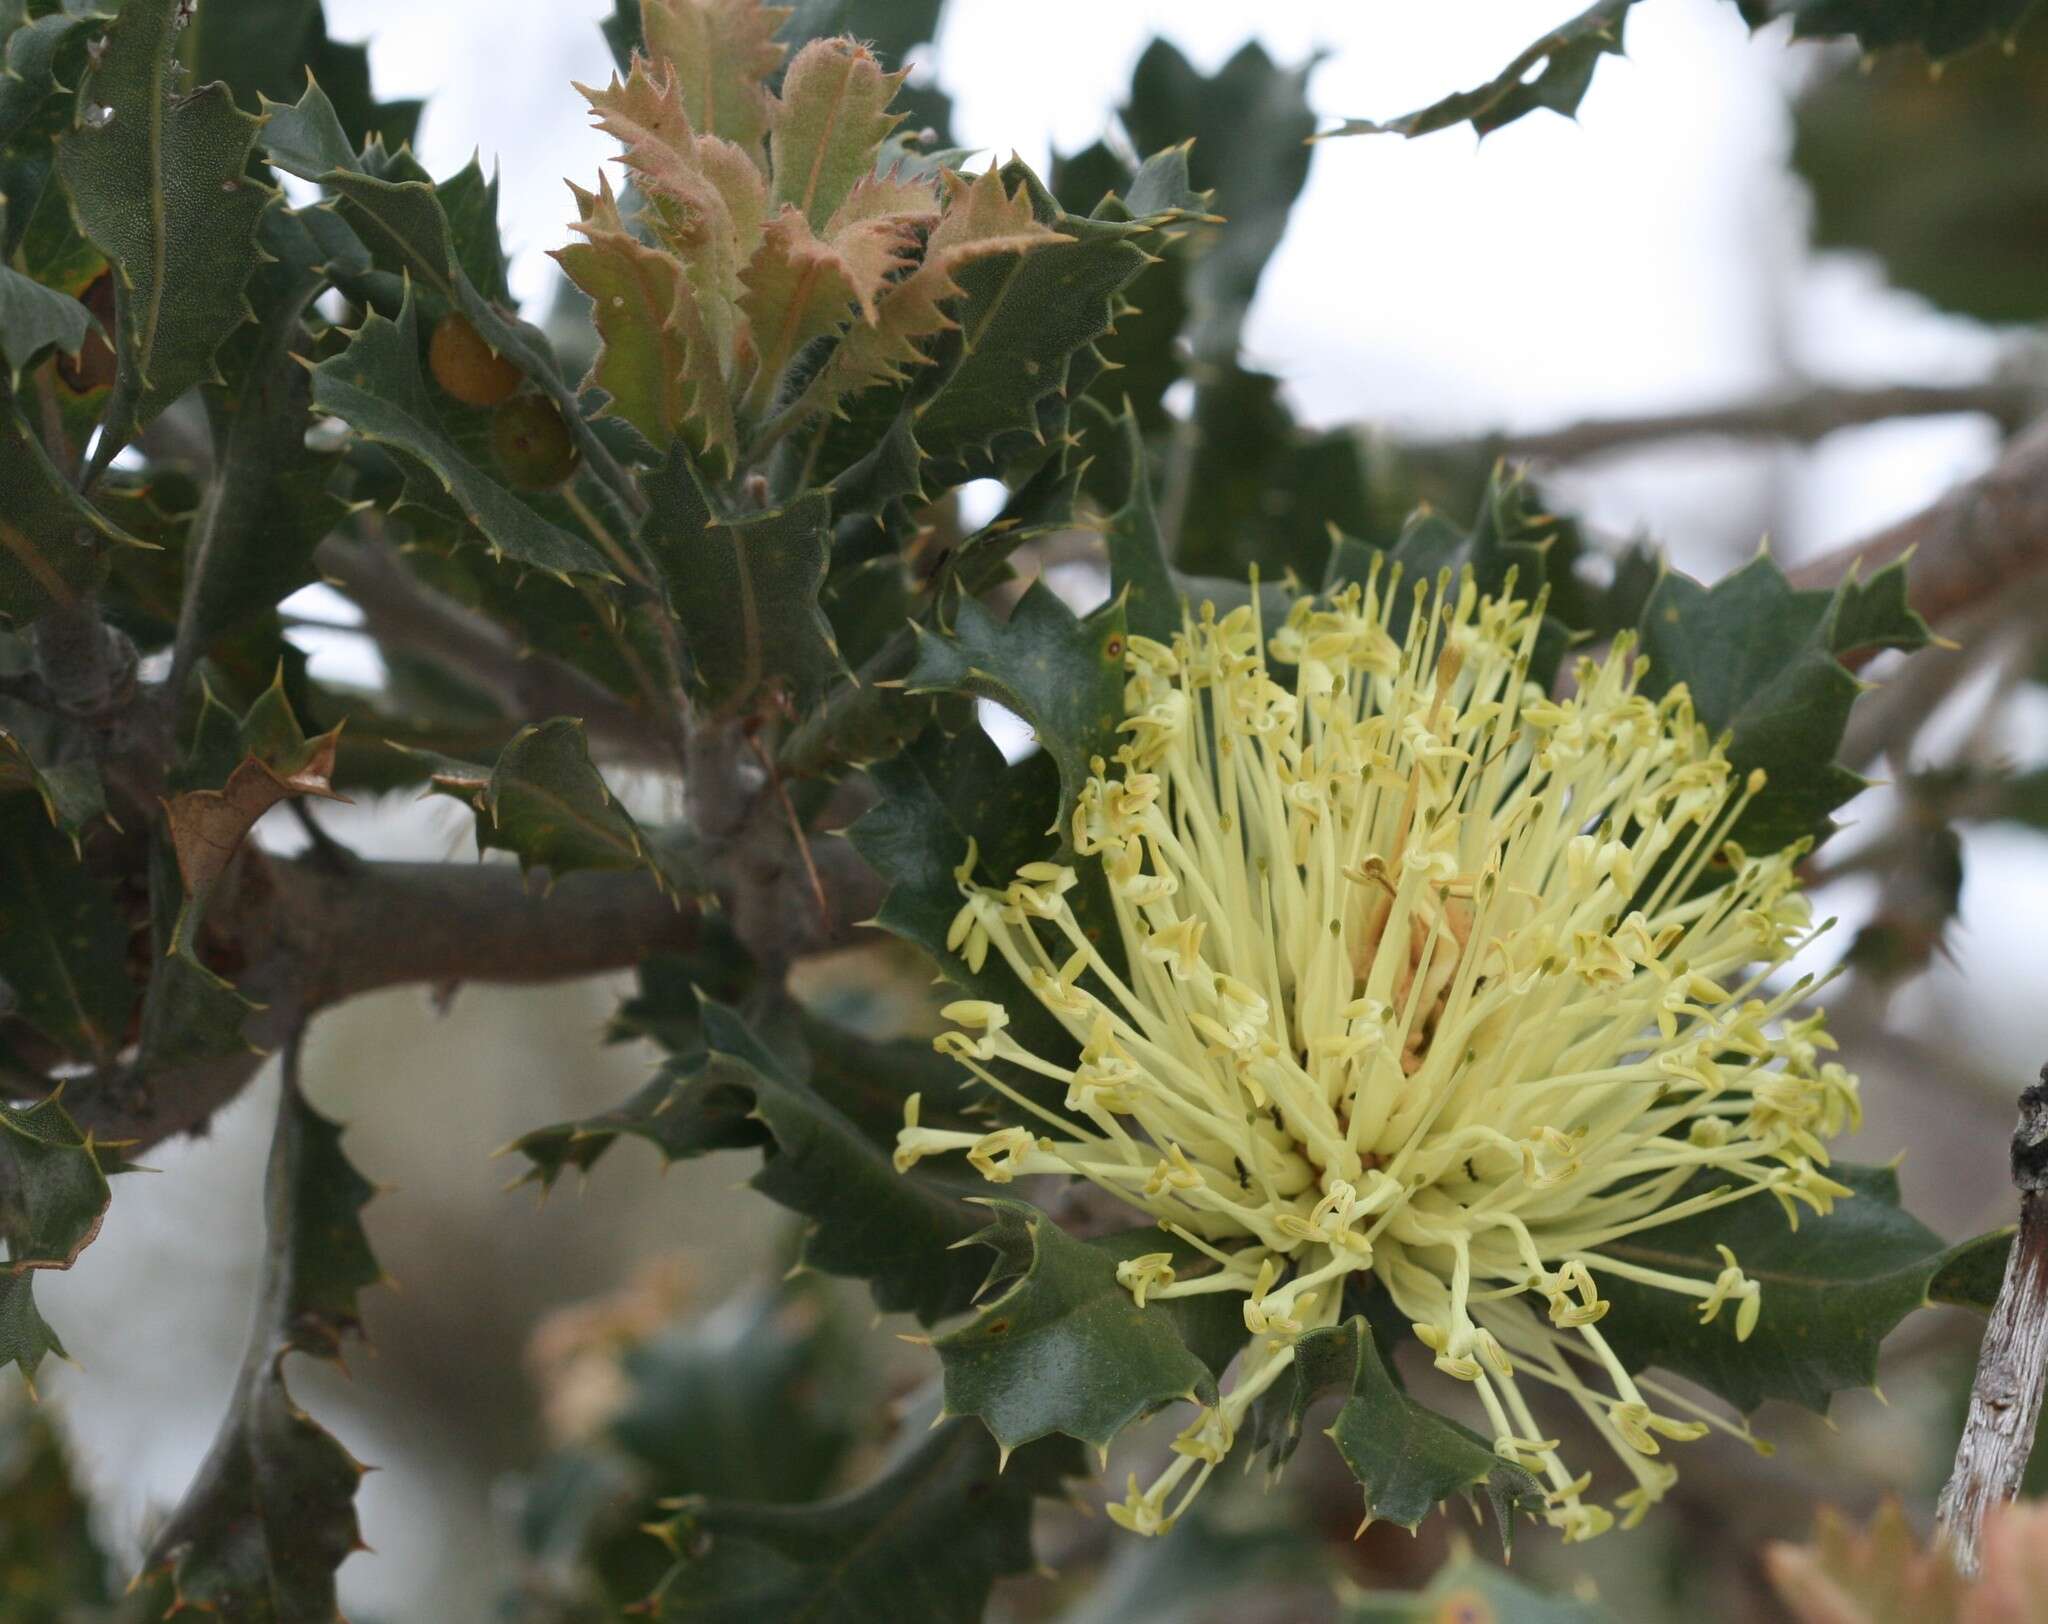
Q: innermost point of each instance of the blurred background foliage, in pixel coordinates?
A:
(537, 1393)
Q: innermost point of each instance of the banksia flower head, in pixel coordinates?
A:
(1425, 983)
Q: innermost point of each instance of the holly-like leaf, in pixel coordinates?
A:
(265, 52)
(35, 319)
(375, 387)
(1251, 126)
(269, 503)
(52, 542)
(63, 945)
(800, 288)
(656, 359)
(827, 124)
(1552, 72)
(745, 589)
(1833, 1290)
(723, 53)
(1850, 1575)
(72, 793)
(923, 1543)
(1065, 1349)
(53, 1196)
(271, 1514)
(1062, 673)
(157, 179)
(45, 56)
(1466, 1588)
(867, 1220)
(1762, 661)
(546, 803)
(1938, 30)
(1407, 1458)
(26, 1339)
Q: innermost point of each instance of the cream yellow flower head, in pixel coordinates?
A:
(1426, 979)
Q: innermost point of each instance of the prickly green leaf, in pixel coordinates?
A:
(1552, 72)
(1940, 28)
(1065, 1349)
(867, 1220)
(1139, 574)
(53, 1192)
(305, 137)
(1063, 674)
(34, 319)
(56, 1569)
(923, 1543)
(63, 945)
(827, 124)
(265, 51)
(269, 504)
(25, 1336)
(1762, 661)
(1251, 126)
(744, 589)
(45, 55)
(72, 794)
(1468, 1589)
(52, 543)
(546, 803)
(375, 386)
(157, 179)
(1407, 1458)
(1832, 1290)
(271, 1514)
(896, 30)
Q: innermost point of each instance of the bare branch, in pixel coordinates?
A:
(1969, 547)
(2005, 1402)
(1802, 418)
(402, 612)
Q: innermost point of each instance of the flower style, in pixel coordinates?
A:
(1424, 978)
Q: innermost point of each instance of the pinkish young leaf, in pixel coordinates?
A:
(722, 53)
(827, 125)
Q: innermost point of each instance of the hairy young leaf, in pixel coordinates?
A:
(1761, 659)
(52, 542)
(157, 179)
(1407, 1458)
(375, 387)
(723, 52)
(923, 1543)
(63, 945)
(744, 589)
(1833, 1290)
(271, 1514)
(1062, 673)
(827, 124)
(867, 1220)
(1065, 1349)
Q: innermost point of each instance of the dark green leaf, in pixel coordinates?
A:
(1553, 72)
(745, 589)
(266, 49)
(867, 1220)
(271, 1514)
(25, 1336)
(56, 1570)
(1832, 1290)
(1940, 28)
(1062, 673)
(1762, 661)
(63, 944)
(1065, 1349)
(921, 1544)
(72, 794)
(44, 56)
(52, 543)
(1406, 1457)
(376, 387)
(157, 179)
(53, 1192)
(33, 319)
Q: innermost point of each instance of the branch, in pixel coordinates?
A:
(2005, 1402)
(401, 611)
(1803, 418)
(1968, 548)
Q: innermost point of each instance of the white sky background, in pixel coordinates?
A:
(1647, 257)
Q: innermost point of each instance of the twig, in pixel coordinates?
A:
(2005, 1402)
(1803, 418)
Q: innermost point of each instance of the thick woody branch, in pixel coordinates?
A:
(1973, 545)
(2005, 1402)
(1801, 418)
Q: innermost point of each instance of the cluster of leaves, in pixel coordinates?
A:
(811, 327)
